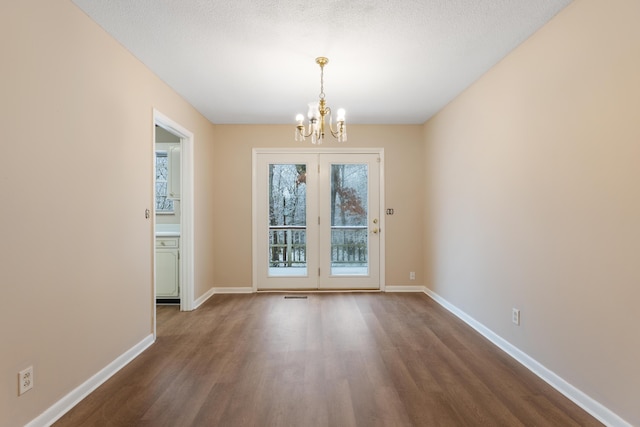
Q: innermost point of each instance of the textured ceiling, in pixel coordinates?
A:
(253, 62)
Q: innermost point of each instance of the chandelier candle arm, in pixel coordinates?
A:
(316, 116)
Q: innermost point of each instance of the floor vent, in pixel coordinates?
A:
(295, 297)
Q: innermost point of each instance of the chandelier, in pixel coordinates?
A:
(317, 112)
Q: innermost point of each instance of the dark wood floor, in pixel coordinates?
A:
(343, 359)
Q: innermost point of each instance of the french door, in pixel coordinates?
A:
(317, 220)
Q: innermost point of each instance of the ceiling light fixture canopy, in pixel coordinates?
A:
(317, 112)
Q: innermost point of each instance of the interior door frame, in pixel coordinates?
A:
(186, 264)
(254, 204)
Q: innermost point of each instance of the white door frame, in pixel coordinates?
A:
(254, 193)
(187, 212)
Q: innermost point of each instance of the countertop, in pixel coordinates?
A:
(167, 230)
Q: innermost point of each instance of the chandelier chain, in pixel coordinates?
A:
(321, 81)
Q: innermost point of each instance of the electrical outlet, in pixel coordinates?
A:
(515, 316)
(412, 275)
(25, 380)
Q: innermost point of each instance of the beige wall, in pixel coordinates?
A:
(404, 173)
(534, 200)
(76, 257)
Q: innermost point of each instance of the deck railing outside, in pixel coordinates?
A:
(288, 246)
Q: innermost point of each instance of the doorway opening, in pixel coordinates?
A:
(167, 216)
(173, 213)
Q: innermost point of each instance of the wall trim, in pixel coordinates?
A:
(255, 152)
(221, 290)
(203, 298)
(233, 290)
(187, 218)
(64, 405)
(593, 407)
(405, 288)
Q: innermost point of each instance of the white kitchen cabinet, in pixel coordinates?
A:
(167, 267)
(173, 183)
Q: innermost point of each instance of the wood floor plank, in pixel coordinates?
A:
(331, 359)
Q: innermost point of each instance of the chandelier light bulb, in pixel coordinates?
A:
(314, 112)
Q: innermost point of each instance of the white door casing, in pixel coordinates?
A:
(319, 271)
(186, 269)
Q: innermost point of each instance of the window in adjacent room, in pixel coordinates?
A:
(163, 204)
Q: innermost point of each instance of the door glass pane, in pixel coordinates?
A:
(287, 220)
(349, 218)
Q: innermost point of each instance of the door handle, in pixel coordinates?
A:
(375, 230)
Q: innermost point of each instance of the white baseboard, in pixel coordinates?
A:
(198, 302)
(238, 290)
(214, 291)
(250, 290)
(65, 404)
(593, 407)
(405, 289)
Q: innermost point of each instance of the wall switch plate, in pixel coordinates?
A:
(25, 380)
(515, 316)
(412, 275)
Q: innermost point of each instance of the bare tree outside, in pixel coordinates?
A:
(349, 216)
(163, 204)
(287, 214)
